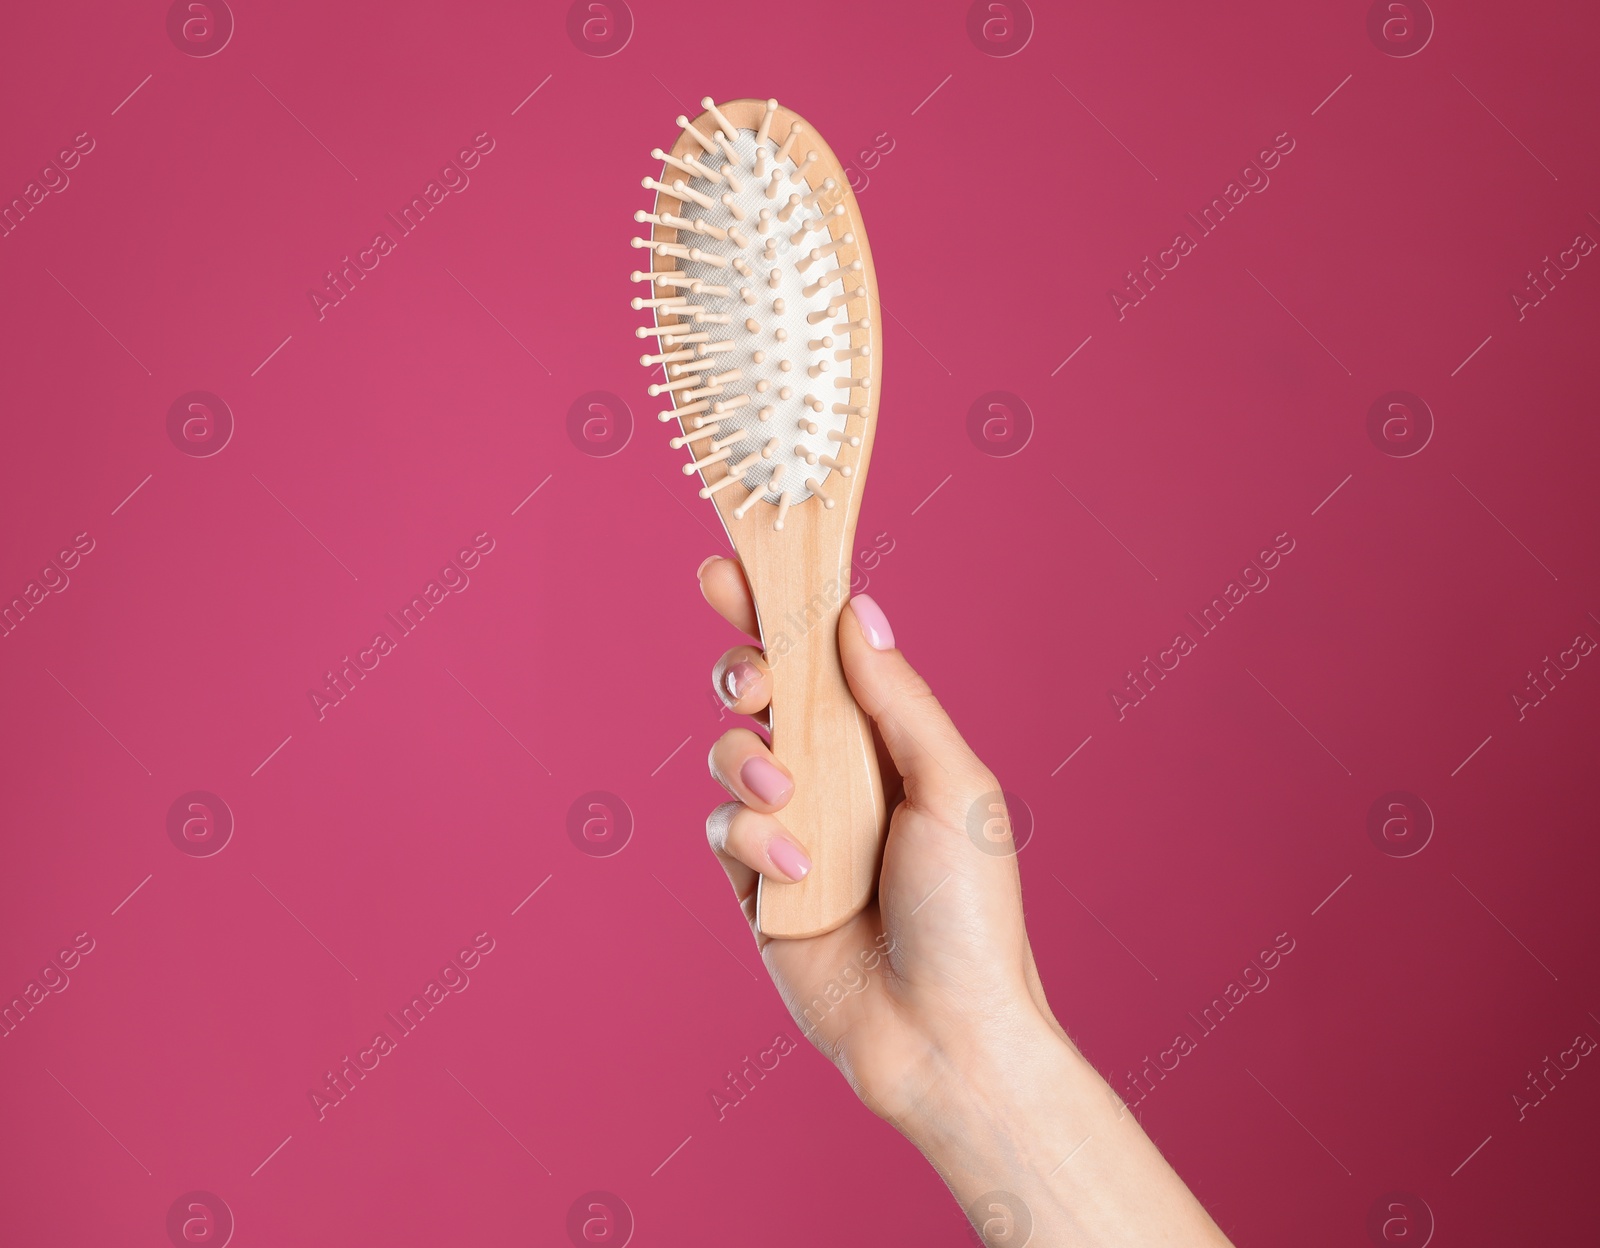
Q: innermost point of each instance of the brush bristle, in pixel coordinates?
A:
(761, 312)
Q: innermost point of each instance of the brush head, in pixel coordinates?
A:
(762, 296)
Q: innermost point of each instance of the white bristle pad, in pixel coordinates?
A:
(791, 345)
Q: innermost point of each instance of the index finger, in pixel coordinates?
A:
(723, 584)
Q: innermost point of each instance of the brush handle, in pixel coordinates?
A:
(838, 812)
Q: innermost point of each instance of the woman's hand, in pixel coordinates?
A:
(928, 1001)
(938, 964)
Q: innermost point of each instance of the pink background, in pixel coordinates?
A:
(1008, 197)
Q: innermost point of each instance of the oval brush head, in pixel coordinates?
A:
(766, 339)
(762, 320)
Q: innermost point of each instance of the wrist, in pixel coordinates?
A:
(1014, 1095)
(1032, 1141)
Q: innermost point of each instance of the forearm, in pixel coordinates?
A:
(1036, 1131)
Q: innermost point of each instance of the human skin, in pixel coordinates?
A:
(952, 1040)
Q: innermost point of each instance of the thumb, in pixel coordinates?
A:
(928, 751)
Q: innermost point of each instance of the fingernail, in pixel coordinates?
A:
(874, 623)
(788, 858)
(703, 563)
(739, 679)
(765, 780)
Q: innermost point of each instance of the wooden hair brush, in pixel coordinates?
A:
(765, 330)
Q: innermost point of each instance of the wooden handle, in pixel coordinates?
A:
(838, 812)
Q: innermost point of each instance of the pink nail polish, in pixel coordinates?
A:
(788, 858)
(874, 623)
(765, 781)
(739, 679)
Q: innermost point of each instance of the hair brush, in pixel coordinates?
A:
(762, 293)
